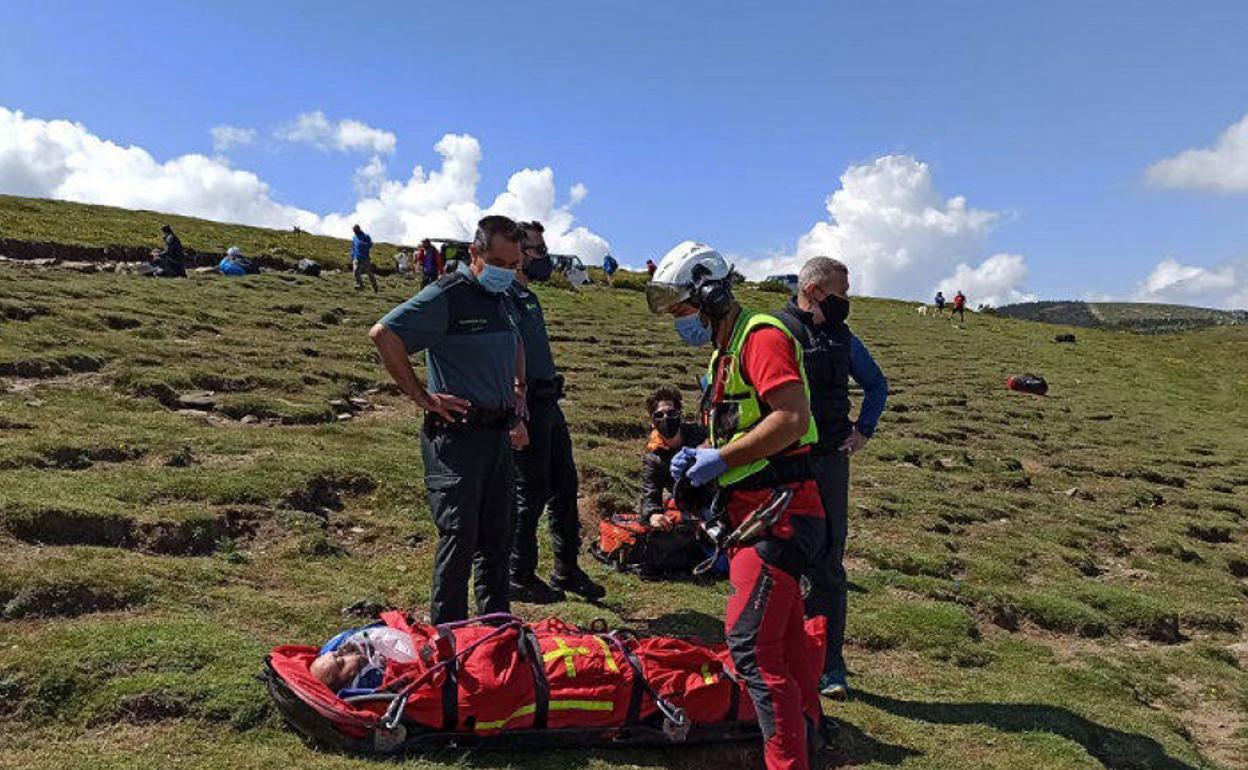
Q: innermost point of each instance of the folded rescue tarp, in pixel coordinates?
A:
(497, 682)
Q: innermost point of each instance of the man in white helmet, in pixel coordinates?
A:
(757, 410)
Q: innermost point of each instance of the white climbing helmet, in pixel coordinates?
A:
(680, 270)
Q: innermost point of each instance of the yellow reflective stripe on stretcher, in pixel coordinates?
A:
(554, 705)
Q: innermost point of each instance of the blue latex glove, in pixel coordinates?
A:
(681, 462)
(702, 466)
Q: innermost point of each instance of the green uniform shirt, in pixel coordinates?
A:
(539, 364)
(470, 336)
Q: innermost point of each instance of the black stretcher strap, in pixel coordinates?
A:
(734, 702)
(640, 685)
(450, 686)
(541, 686)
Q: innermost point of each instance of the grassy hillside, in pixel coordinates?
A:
(80, 224)
(1145, 317)
(1053, 583)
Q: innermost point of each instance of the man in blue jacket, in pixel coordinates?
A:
(609, 266)
(361, 262)
(832, 355)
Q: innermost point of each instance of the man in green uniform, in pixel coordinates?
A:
(476, 368)
(545, 470)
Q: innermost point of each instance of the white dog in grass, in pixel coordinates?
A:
(922, 309)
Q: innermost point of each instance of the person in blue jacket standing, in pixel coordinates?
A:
(361, 262)
(833, 355)
(609, 266)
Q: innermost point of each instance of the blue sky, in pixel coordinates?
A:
(724, 121)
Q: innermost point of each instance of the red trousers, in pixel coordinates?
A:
(765, 634)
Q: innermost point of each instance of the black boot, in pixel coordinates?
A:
(531, 589)
(576, 581)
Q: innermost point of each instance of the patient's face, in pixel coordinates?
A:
(336, 669)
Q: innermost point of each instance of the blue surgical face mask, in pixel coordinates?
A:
(496, 279)
(692, 330)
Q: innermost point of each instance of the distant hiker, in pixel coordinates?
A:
(668, 434)
(429, 261)
(940, 303)
(959, 306)
(472, 423)
(169, 262)
(651, 267)
(609, 266)
(545, 469)
(402, 264)
(361, 263)
(832, 356)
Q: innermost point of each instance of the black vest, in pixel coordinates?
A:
(825, 350)
(472, 309)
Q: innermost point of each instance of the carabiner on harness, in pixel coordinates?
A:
(754, 526)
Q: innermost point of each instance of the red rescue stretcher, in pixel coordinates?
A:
(498, 682)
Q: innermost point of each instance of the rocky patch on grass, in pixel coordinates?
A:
(53, 366)
(52, 596)
(324, 492)
(13, 312)
(74, 458)
(120, 322)
(149, 707)
(197, 536)
(1209, 533)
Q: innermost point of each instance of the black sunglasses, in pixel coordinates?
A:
(663, 414)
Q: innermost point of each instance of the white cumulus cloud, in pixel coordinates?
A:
(1220, 168)
(1220, 286)
(64, 160)
(899, 236)
(224, 137)
(992, 283)
(345, 135)
(60, 159)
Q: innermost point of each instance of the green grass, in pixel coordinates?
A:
(1055, 582)
(79, 224)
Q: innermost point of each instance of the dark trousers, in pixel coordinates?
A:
(767, 640)
(546, 476)
(362, 267)
(828, 594)
(468, 478)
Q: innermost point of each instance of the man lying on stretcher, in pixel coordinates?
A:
(354, 661)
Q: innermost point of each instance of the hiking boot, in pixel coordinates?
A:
(578, 582)
(833, 685)
(533, 590)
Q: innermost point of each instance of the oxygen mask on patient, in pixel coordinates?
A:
(357, 661)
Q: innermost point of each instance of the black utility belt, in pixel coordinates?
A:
(779, 471)
(490, 419)
(546, 390)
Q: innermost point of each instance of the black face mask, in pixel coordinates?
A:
(668, 426)
(539, 269)
(835, 309)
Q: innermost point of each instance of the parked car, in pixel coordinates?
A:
(787, 280)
